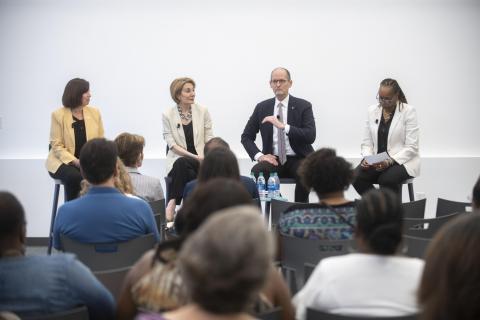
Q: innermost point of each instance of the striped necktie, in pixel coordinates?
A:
(282, 150)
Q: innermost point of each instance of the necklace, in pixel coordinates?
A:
(185, 116)
(386, 115)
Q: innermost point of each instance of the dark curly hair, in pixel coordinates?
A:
(325, 172)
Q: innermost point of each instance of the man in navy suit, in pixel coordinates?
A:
(287, 127)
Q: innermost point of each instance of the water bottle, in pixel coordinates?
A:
(276, 194)
(252, 176)
(271, 186)
(261, 186)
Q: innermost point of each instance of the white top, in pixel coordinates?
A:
(362, 284)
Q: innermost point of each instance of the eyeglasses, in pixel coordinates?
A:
(385, 99)
(279, 81)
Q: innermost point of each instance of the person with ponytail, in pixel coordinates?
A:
(375, 281)
(391, 127)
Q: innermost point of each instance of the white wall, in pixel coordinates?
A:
(337, 51)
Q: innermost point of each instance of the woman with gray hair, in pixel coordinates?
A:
(224, 264)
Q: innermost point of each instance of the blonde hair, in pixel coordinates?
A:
(122, 181)
(129, 147)
(177, 86)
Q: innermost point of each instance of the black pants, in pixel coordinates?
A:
(71, 178)
(184, 170)
(288, 170)
(391, 178)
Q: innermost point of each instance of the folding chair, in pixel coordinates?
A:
(296, 252)
(445, 207)
(415, 247)
(416, 227)
(113, 279)
(414, 209)
(321, 315)
(113, 255)
(80, 313)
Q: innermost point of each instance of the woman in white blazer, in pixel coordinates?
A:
(391, 127)
(186, 128)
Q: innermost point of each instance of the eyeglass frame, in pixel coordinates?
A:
(385, 100)
(279, 81)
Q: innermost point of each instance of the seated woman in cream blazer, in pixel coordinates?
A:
(186, 128)
(391, 127)
(71, 127)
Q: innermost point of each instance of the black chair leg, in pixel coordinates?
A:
(56, 192)
(411, 194)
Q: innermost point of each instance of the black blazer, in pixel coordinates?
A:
(302, 127)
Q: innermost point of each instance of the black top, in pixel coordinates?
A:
(383, 129)
(80, 135)
(188, 130)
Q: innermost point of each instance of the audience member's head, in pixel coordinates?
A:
(130, 149)
(12, 223)
(225, 263)
(476, 195)
(449, 288)
(214, 195)
(325, 172)
(215, 142)
(98, 160)
(379, 222)
(219, 162)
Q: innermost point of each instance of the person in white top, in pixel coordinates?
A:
(374, 282)
(391, 128)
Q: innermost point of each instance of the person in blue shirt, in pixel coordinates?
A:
(104, 214)
(40, 285)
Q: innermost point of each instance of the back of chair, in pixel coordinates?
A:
(273, 314)
(414, 209)
(279, 207)
(416, 227)
(80, 313)
(112, 279)
(158, 208)
(445, 207)
(296, 252)
(415, 247)
(321, 315)
(113, 255)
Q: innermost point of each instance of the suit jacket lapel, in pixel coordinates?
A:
(178, 121)
(88, 124)
(196, 121)
(291, 114)
(378, 117)
(396, 118)
(67, 122)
